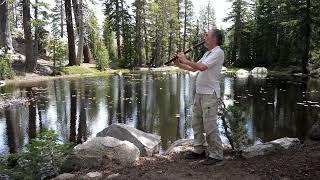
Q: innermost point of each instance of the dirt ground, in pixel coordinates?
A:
(301, 162)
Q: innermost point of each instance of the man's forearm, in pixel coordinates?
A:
(186, 67)
(196, 66)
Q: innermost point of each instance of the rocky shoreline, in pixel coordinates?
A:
(285, 158)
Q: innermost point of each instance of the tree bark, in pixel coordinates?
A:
(139, 39)
(71, 46)
(185, 24)
(118, 30)
(80, 32)
(5, 33)
(85, 49)
(36, 33)
(30, 64)
(61, 18)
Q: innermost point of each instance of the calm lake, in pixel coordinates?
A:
(159, 103)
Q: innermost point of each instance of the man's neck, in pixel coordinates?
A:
(210, 48)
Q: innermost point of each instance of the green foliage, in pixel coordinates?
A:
(235, 128)
(42, 159)
(57, 53)
(108, 39)
(102, 58)
(6, 71)
(93, 35)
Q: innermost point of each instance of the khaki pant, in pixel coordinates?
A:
(204, 120)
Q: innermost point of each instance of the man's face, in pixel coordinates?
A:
(210, 39)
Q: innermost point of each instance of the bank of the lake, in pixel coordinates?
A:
(301, 162)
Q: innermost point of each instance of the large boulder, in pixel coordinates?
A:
(179, 146)
(147, 143)
(285, 143)
(314, 132)
(259, 150)
(99, 151)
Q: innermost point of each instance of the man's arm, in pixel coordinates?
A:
(195, 66)
(184, 66)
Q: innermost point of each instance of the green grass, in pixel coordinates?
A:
(79, 70)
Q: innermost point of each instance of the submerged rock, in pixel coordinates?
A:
(99, 151)
(147, 143)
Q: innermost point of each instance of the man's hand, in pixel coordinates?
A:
(177, 62)
(182, 58)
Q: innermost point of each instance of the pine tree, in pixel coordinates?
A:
(108, 39)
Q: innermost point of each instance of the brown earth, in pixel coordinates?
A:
(301, 162)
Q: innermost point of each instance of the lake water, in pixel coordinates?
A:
(158, 103)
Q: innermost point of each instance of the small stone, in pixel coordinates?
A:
(113, 176)
(94, 175)
(65, 176)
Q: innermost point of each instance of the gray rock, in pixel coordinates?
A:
(2, 83)
(94, 175)
(285, 143)
(259, 70)
(179, 146)
(314, 132)
(259, 150)
(99, 151)
(65, 176)
(4, 177)
(113, 176)
(147, 143)
(241, 73)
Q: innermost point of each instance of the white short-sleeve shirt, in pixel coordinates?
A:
(208, 81)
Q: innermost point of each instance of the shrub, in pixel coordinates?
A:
(235, 128)
(42, 159)
(57, 53)
(102, 57)
(6, 71)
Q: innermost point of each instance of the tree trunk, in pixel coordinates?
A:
(80, 28)
(30, 64)
(118, 31)
(139, 39)
(36, 33)
(185, 25)
(85, 49)
(307, 35)
(71, 46)
(145, 37)
(61, 18)
(5, 34)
